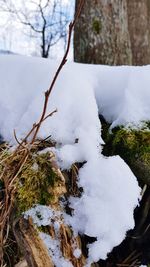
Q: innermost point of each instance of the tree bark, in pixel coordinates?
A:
(22, 263)
(138, 23)
(101, 34)
(34, 250)
(113, 32)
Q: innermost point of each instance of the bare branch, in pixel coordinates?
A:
(46, 20)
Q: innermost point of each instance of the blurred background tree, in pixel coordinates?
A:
(43, 21)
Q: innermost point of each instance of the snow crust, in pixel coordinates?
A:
(121, 95)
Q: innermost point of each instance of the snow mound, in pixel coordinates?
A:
(105, 210)
(121, 95)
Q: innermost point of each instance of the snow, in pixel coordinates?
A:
(106, 212)
(45, 216)
(121, 95)
(6, 52)
(54, 251)
(77, 253)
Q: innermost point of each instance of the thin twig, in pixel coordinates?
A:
(63, 62)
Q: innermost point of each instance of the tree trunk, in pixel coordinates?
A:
(138, 23)
(113, 32)
(101, 34)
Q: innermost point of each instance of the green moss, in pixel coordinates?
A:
(34, 181)
(133, 145)
(96, 26)
(44, 229)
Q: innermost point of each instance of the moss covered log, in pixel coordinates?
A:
(39, 181)
(133, 145)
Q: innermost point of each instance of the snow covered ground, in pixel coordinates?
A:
(121, 95)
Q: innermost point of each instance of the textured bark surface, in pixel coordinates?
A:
(138, 23)
(101, 34)
(113, 32)
(34, 250)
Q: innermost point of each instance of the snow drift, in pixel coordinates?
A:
(121, 95)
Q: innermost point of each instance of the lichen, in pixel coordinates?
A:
(96, 25)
